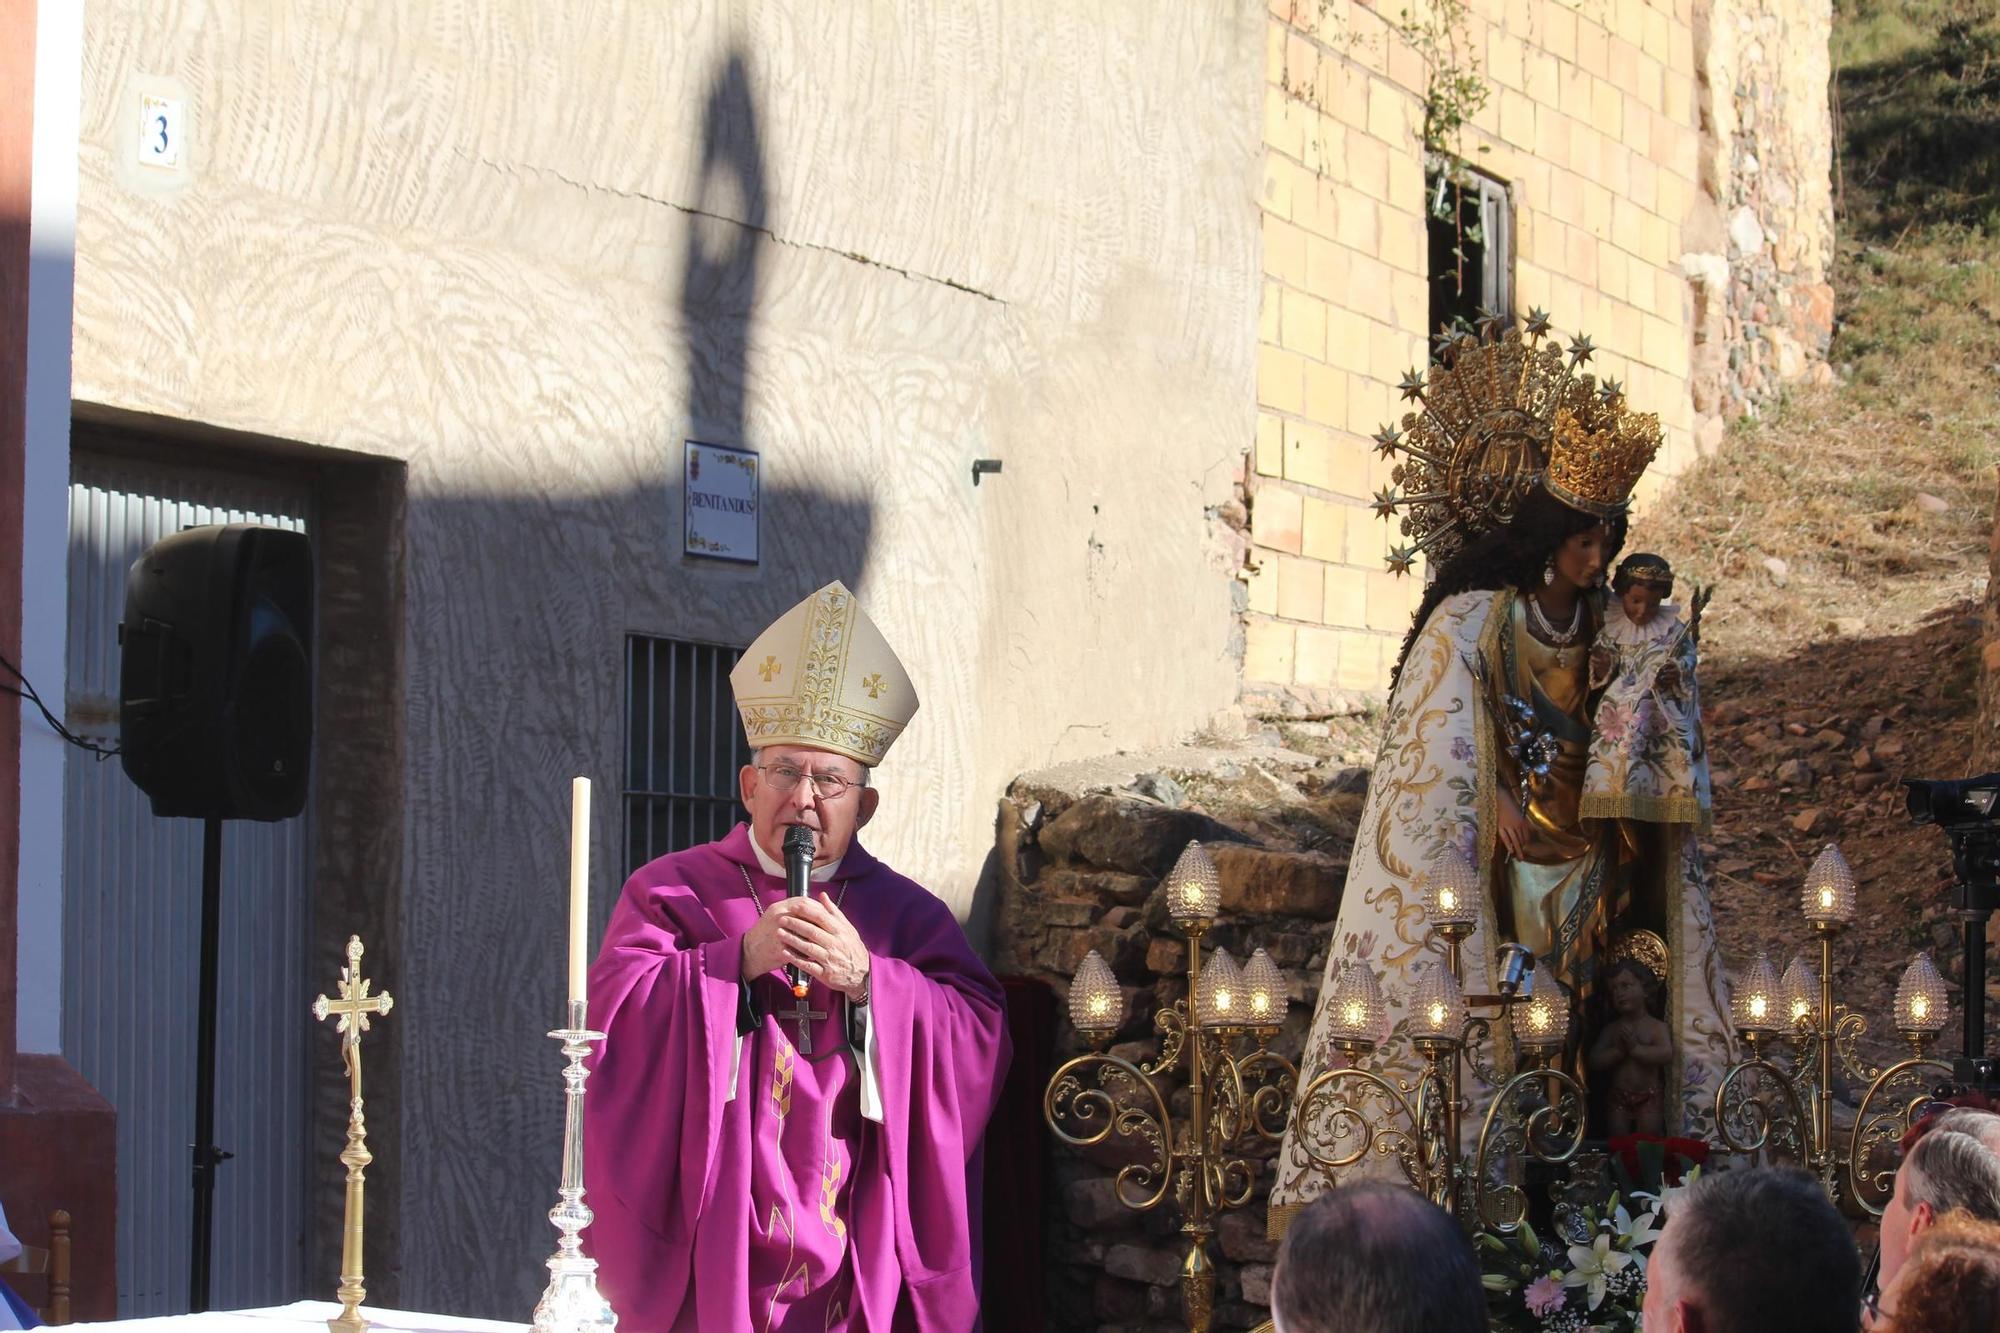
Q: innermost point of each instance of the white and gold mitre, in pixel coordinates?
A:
(824, 676)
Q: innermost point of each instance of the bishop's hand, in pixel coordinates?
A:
(764, 946)
(818, 935)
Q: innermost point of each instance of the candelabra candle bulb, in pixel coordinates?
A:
(1452, 892)
(1220, 1001)
(1828, 900)
(1358, 1013)
(1437, 1009)
(1194, 889)
(1920, 999)
(1798, 992)
(1264, 988)
(1543, 1022)
(1755, 1004)
(1096, 1003)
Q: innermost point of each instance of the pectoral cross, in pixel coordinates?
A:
(355, 1006)
(803, 1014)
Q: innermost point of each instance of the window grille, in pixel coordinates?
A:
(683, 746)
(1471, 229)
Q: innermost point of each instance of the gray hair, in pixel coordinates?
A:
(1949, 1168)
(1376, 1258)
(1982, 1125)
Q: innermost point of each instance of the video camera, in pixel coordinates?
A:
(1967, 811)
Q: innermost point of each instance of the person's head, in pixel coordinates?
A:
(1642, 582)
(1951, 1283)
(1547, 541)
(1629, 983)
(1376, 1258)
(1753, 1250)
(796, 784)
(1945, 1168)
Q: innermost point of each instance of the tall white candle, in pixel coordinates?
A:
(579, 885)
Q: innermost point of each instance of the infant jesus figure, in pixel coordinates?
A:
(1636, 1047)
(1647, 759)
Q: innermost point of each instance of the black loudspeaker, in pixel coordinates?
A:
(215, 681)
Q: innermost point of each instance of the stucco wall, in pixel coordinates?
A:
(527, 248)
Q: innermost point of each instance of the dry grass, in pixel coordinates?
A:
(1832, 480)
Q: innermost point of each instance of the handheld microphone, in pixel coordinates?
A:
(798, 882)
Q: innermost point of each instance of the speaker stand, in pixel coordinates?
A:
(206, 1155)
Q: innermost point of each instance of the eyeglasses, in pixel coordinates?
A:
(828, 786)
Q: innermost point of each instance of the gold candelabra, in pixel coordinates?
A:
(1238, 1089)
(1779, 1099)
(1349, 1113)
(355, 1007)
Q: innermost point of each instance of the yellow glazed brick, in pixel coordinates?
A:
(1390, 354)
(1270, 445)
(1596, 209)
(1623, 68)
(1406, 173)
(1357, 228)
(1607, 109)
(1300, 585)
(1370, 286)
(1347, 335)
(1281, 380)
(1326, 266)
(1612, 272)
(1367, 165)
(1671, 296)
(1326, 393)
(1680, 57)
(1318, 656)
(1274, 52)
(1325, 534)
(1406, 67)
(1388, 112)
(1559, 31)
(1309, 457)
(1351, 454)
(1388, 601)
(1410, 301)
(1551, 136)
(1577, 83)
(1592, 48)
(1282, 130)
(1580, 256)
(1657, 40)
(1262, 583)
(1649, 83)
(1663, 345)
(1284, 251)
(1304, 328)
(1276, 514)
(1269, 312)
(1346, 596)
(1277, 198)
(1301, 63)
(1360, 661)
(1405, 243)
(1267, 651)
(1541, 76)
(1678, 99)
(1517, 118)
(1503, 59)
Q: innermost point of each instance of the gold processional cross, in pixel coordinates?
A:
(355, 1006)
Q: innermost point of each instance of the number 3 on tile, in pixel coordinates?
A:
(159, 131)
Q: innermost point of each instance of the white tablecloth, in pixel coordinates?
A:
(304, 1317)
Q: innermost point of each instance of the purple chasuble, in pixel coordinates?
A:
(782, 1207)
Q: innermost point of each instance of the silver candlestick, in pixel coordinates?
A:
(571, 1303)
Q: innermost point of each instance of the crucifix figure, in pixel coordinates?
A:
(355, 1006)
(803, 1014)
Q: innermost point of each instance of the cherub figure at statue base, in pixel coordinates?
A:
(1636, 1048)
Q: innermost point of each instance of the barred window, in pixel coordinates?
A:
(1471, 229)
(683, 746)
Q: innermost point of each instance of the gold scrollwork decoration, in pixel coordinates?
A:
(1878, 1130)
(1537, 1115)
(1746, 1123)
(1100, 1110)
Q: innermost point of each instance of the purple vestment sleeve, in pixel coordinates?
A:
(664, 992)
(940, 1029)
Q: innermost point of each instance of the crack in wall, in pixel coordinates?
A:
(591, 187)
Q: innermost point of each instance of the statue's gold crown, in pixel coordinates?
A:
(1506, 413)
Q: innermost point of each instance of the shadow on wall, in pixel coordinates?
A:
(519, 607)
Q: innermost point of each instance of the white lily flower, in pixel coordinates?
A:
(1593, 1265)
